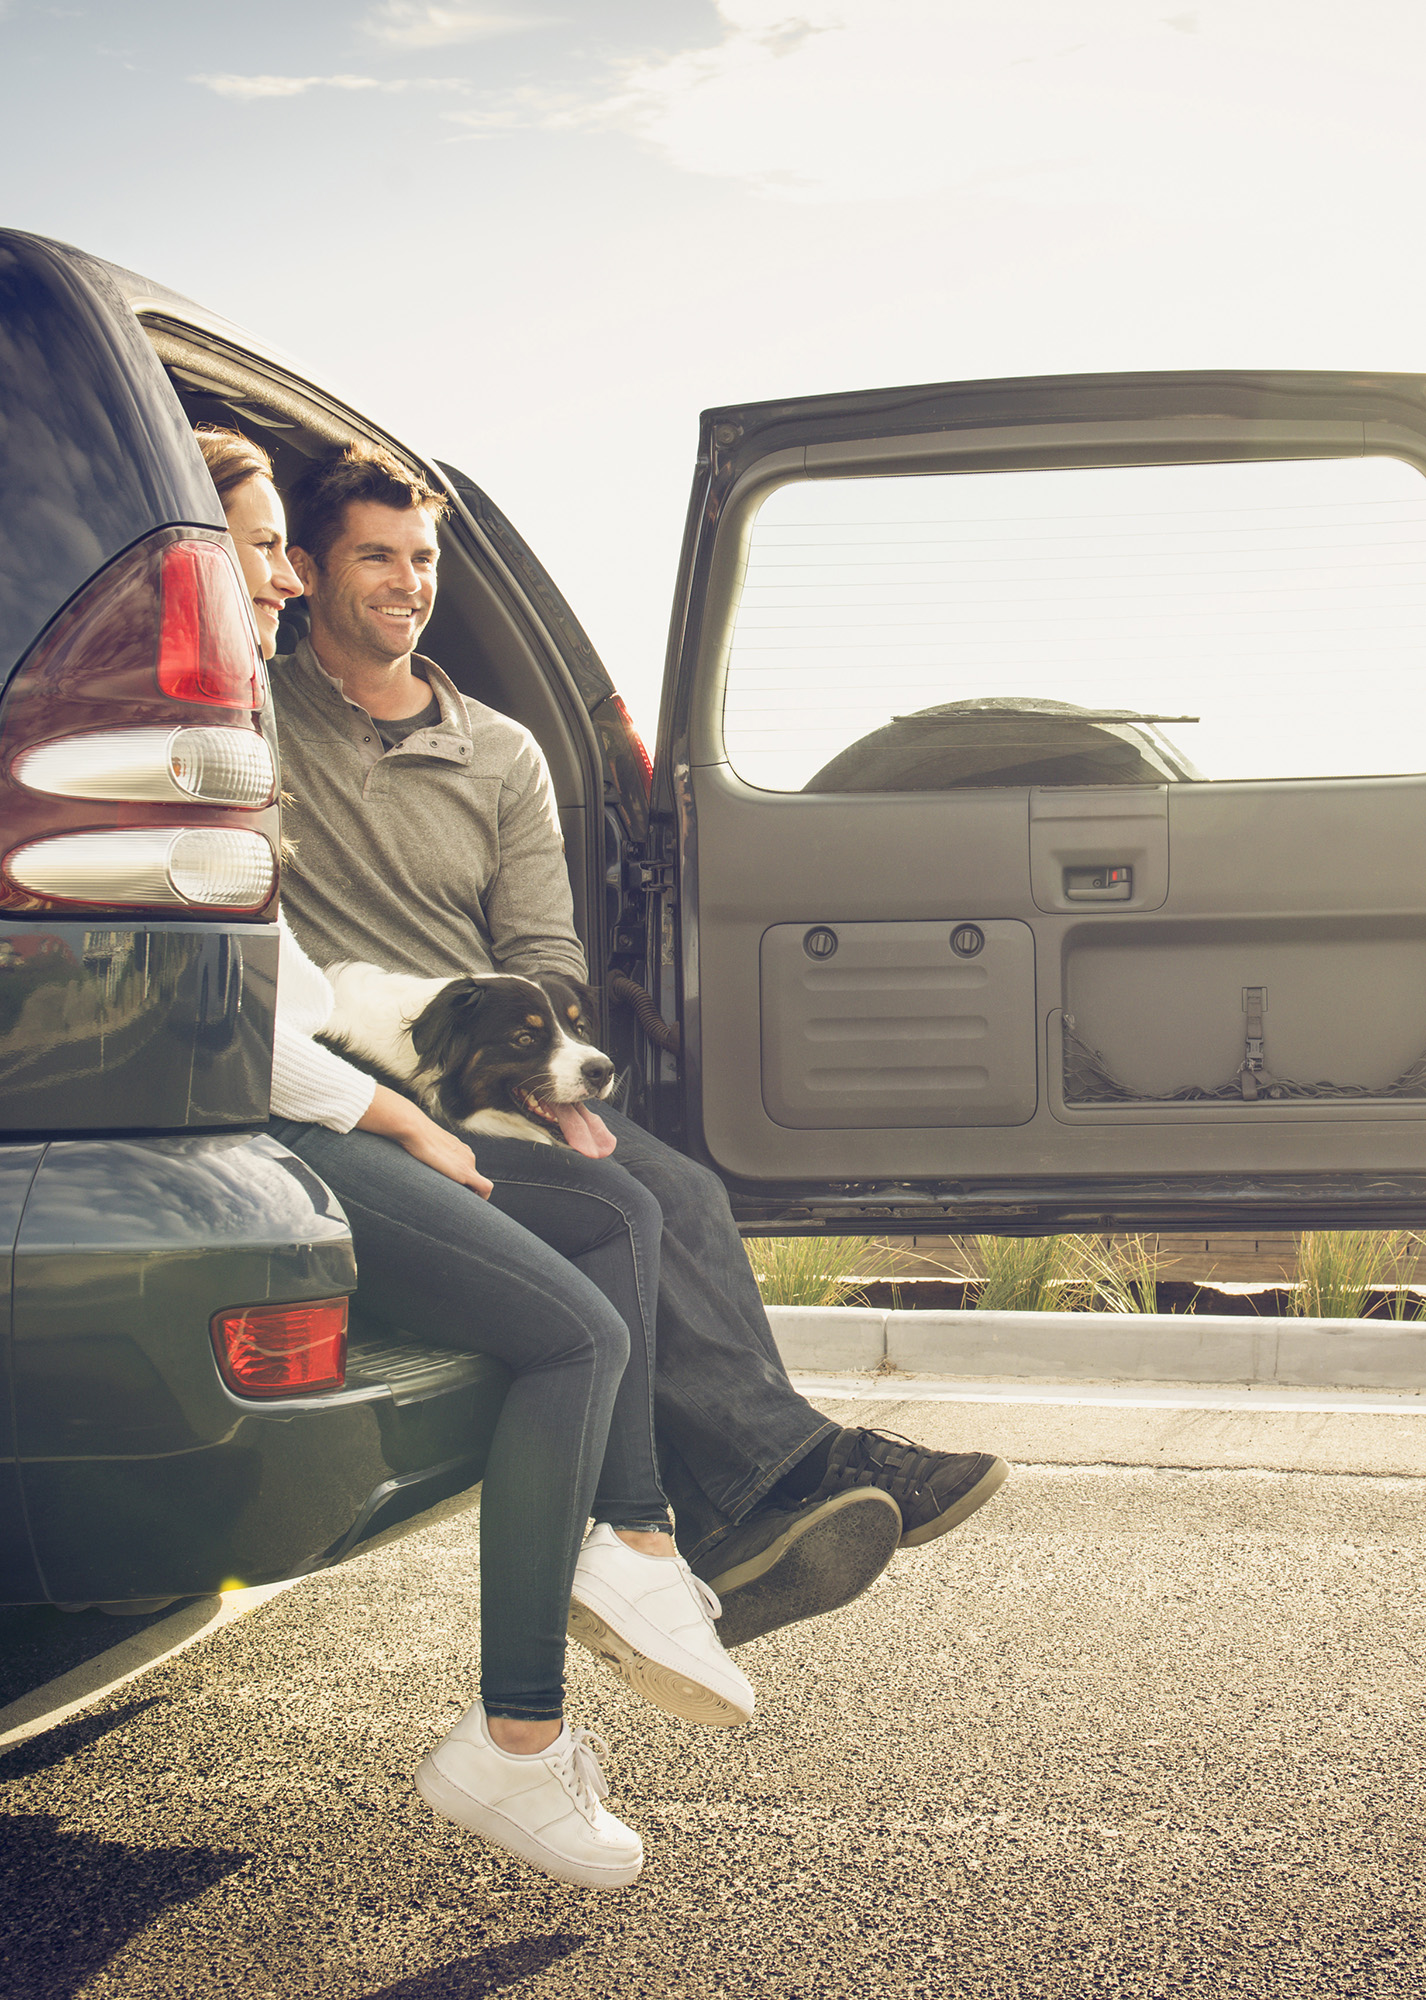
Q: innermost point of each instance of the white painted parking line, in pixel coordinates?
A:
(47, 1707)
(1109, 1395)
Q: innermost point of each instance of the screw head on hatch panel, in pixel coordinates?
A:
(967, 941)
(820, 942)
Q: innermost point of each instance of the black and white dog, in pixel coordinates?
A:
(493, 1053)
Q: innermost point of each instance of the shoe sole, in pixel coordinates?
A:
(452, 1803)
(985, 1488)
(662, 1686)
(813, 1567)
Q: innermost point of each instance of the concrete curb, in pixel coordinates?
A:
(1107, 1347)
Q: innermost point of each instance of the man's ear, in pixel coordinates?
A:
(305, 568)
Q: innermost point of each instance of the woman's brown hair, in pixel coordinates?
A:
(231, 458)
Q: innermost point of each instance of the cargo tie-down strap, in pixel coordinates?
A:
(1088, 1078)
(1255, 1005)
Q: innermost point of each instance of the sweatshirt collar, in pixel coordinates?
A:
(451, 737)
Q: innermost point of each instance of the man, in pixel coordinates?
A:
(427, 841)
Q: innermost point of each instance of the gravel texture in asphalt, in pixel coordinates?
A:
(1129, 1731)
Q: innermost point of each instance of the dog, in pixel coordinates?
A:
(495, 1053)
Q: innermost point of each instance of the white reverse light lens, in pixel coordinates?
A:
(184, 867)
(215, 767)
(210, 865)
(223, 766)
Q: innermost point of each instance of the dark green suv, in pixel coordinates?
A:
(1033, 841)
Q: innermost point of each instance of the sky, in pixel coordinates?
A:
(535, 240)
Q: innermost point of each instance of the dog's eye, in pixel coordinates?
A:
(581, 1029)
(523, 1040)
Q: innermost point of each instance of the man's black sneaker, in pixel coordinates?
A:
(783, 1564)
(935, 1490)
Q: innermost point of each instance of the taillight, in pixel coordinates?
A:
(627, 765)
(149, 867)
(206, 648)
(220, 767)
(289, 1350)
(636, 742)
(137, 747)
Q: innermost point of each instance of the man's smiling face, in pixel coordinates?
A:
(373, 594)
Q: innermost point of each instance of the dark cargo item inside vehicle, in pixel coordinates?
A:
(1034, 842)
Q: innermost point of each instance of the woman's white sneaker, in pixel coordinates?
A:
(545, 1808)
(652, 1619)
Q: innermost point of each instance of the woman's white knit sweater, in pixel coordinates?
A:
(308, 1081)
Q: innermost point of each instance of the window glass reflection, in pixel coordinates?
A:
(1137, 624)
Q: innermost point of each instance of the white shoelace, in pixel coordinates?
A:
(710, 1605)
(579, 1771)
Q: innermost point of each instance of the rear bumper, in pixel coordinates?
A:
(135, 1472)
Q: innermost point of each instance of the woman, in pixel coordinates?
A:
(557, 1283)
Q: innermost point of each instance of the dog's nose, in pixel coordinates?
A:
(596, 1072)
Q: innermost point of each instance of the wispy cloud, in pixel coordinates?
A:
(420, 24)
(245, 88)
(1049, 101)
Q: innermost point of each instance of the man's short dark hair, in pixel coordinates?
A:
(318, 498)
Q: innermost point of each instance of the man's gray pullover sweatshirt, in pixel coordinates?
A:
(442, 855)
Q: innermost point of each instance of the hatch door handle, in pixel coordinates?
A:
(1112, 883)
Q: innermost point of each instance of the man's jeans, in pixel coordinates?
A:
(729, 1422)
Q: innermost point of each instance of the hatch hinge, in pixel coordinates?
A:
(649, 885)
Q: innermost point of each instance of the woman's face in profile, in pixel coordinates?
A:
(259, 530)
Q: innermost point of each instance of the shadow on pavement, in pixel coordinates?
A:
(72, 1900)
(39, 1642)
(52, 1746)
(485, 1971)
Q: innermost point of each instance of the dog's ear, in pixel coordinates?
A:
(555, 985)
(441, 1032)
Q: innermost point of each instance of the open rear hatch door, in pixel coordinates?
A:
(1041, 761)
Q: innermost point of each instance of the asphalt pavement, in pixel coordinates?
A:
(1143, 1726)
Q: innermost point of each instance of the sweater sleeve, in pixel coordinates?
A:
(528, 906)
(309, 1082)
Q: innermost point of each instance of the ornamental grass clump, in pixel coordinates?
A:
(1123, 1275)
(1031, 1273)
(1339, 1269)
(806, 1270)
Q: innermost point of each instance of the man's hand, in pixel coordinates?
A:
(396, 1117)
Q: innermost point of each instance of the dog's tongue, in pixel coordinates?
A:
(584, 1131)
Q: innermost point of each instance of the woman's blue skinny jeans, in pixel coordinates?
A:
(559, 1283)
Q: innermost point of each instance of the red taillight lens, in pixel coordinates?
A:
(282, 1350)
(206, 649)
(646, 763)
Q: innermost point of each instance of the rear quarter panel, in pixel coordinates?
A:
(141, 1474)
